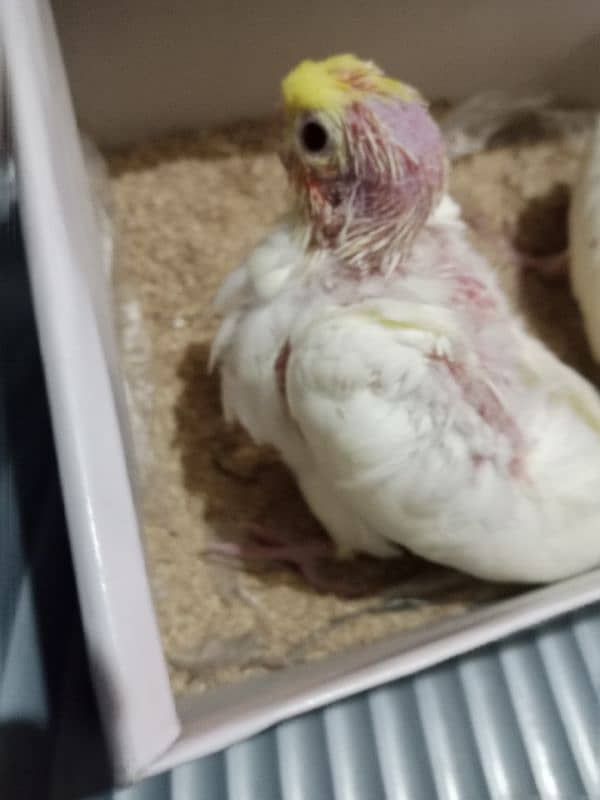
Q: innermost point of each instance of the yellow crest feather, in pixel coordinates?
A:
(332, 83)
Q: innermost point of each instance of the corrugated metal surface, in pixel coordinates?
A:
(516, 721)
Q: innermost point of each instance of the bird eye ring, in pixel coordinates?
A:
(314, 137)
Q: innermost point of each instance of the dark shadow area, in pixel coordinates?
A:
(552, 311)
(542, 226)
(553, 315)
(20, 746)
(35, 567)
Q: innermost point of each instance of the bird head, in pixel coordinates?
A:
(364, 156)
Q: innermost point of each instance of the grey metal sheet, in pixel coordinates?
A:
(519, 720)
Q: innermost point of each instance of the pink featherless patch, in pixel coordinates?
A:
(473, 293)
(415, 132)
(479, 395)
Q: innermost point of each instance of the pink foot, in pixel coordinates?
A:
(554, 267)
(306, 555)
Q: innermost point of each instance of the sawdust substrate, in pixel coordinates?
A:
(187, 209)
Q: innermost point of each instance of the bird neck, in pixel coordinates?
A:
(373, 229)
(369, 212)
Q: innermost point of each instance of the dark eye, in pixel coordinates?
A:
(313, 136)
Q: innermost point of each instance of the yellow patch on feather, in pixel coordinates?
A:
(331, 84)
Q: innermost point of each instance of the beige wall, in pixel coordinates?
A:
(141, 66)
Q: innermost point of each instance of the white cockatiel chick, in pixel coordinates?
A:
(368, 341)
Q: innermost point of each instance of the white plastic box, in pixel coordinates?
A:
(143, 67)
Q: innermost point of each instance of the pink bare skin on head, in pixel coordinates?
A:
(368, 208)
(412, 128)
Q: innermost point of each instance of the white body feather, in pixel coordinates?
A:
(392, 399)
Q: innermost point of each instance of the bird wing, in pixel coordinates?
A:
(372, 395)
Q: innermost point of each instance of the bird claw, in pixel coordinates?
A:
(552, 267)
(307, 556)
